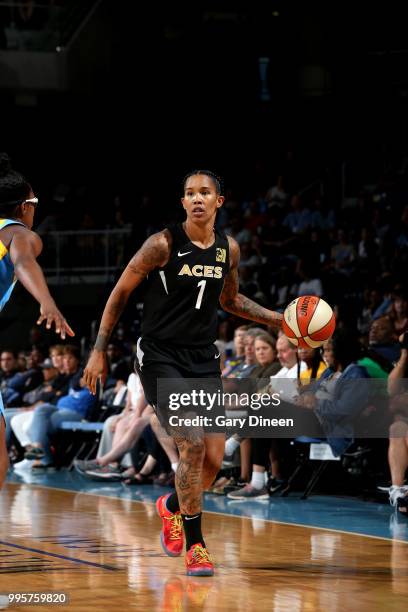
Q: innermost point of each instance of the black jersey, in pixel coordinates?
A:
(181, 299)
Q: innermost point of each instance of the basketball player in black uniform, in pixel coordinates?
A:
(189, 268)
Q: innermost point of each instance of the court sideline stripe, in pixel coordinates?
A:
(249, 518)
(50, 554)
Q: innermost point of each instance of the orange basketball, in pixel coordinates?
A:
(308, 321)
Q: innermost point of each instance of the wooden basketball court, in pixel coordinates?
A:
(104, 553)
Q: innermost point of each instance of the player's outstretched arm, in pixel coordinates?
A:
(236, 303)
(25, 246)
(154, 253)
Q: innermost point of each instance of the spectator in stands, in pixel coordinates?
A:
(22, 361)
(238, 231)
(49, 391)
(20, 423)
(8, 365)
(310, 284)
(398, 441)
(74, 406)
(399, 312)
(238, 355)
(337, 401)
(265, 450)
(371, 301)
(300, 218)
(22, 382)
(329, 411)
(276, 197)
(343, 253)
(314, 362)
(114, 428)
(119, 366)
(382, 339)
(249, 363)
(249, 258)
(267, 365)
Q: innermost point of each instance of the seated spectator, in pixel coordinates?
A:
(119, 366)
(249, 363)
(114, 429)
(321, 217)
(74, 406)
(371, 301)
(336, 403)
(248, 258)
(300, 218)
(22, 361)
(267, 365)
(22, 382)
(399, 312)
(314, 362)
(276, 197)
(382, 340)
(398, 441)
(8, 365)
(21, 422)
(283, 288)
(310, 284)
(291, 369)
(342, 253)
(264, 450)
(238, 355)
(327, 412)
(238, 231)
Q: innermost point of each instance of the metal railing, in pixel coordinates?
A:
(85, 254)
(49, 27)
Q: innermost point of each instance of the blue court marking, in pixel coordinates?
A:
(342, 514)
(50, 554)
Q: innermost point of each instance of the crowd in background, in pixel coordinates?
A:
(294, 241)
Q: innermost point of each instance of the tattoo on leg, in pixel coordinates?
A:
(189, 474)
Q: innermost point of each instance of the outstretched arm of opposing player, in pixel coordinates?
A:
(154, 253)
(234, 302)
(24, 248)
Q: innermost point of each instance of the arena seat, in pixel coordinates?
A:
(84, 440)
(308, 450)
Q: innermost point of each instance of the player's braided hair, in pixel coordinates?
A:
(14, 188)
(217, 180)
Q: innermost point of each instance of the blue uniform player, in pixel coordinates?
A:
(19, 249)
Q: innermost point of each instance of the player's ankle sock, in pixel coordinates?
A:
(231, 446)
(258, 480)
(192, 529)
(172, 503)
(174, 466)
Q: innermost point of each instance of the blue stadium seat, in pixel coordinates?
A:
(83, 442)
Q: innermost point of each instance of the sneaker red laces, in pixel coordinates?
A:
(198, 561)
(171, 535)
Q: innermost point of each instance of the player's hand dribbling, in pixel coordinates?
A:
(97, 367)
(51, 314)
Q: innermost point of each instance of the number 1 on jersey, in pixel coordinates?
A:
(201, 284)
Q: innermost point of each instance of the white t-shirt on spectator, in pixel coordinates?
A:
(284, 382)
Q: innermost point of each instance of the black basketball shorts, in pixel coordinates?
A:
(178, 381)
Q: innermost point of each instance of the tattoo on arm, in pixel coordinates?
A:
(102, 339)
(153, 254)
(114, 308)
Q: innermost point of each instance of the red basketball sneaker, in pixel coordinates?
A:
(198, 561)
(171, 536)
